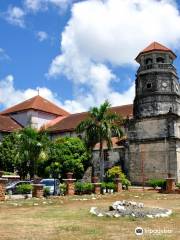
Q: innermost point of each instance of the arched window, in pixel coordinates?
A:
(160, 60)
(148, 61)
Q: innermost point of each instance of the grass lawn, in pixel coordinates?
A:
(68, 218)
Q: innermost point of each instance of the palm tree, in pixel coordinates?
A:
(100, 127)
(31, 144)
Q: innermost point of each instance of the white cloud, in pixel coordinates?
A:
(7, 89)
(15, 15)
(4, 55)
(41, 5)
(111, 31)
(60, 3)
(35, 5)
(42, 36)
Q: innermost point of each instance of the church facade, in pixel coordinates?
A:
(151, 146)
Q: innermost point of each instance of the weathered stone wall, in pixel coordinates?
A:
(153, 149)
(148, 128)
(178, 164)
(148, 159)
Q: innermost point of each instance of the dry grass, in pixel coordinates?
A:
(67, 218)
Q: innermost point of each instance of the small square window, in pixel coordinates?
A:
(149, 85)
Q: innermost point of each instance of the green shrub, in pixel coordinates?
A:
(157, 183)
(83, 188)
(125, 182)
(46, 192)
(103, 185)
(178, 185)
(24, 189)
(9, 173)
(116, 171)
(111, 185)
(63, 188)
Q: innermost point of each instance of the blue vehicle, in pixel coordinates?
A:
(52, 184)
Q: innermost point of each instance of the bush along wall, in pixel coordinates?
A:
(157, 183)
(24, 189)
(83, 188)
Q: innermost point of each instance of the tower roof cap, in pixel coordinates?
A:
(155, 46)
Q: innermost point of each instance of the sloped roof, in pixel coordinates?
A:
(116, 143)
(7, 124)
(155, 46)
(37, 103)
(70, 122)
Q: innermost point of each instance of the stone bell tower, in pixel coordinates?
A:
(157, 86)
(154, 132)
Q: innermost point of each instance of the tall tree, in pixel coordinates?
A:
(100, 127)
(66, 154)
(8, 152)
(31, 144)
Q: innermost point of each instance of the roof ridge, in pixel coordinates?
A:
(34, 100)
(37, 103)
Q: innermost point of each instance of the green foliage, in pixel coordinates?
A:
(46, 192)
(157, 183)
(103, 185)
(100, 126)
(71, 154)
(53, 169)
(31, 143)
(125, 182)
(111, 185)
(116, 171)
(23, 151)
(8, 152)
(30, 152)
(9, 173)
(178, 185)
(83, 188)
(24, 189)
(63, 188)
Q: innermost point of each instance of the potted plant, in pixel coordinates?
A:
(103, 187)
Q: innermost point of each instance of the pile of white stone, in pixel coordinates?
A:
(130, 208)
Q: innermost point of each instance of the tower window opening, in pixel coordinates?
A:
(160, 60)
(148, 61)
(149, 85)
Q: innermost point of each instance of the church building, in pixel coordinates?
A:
(151, 146)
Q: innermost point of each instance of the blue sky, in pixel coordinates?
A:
(79, 53)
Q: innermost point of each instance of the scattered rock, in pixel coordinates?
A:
(131, 208)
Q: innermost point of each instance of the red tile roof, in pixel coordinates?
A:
(37, 103)
(155, 46)
(70, 122)
(116, 143)
(7, 124)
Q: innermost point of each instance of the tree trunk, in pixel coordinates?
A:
(101, 161)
